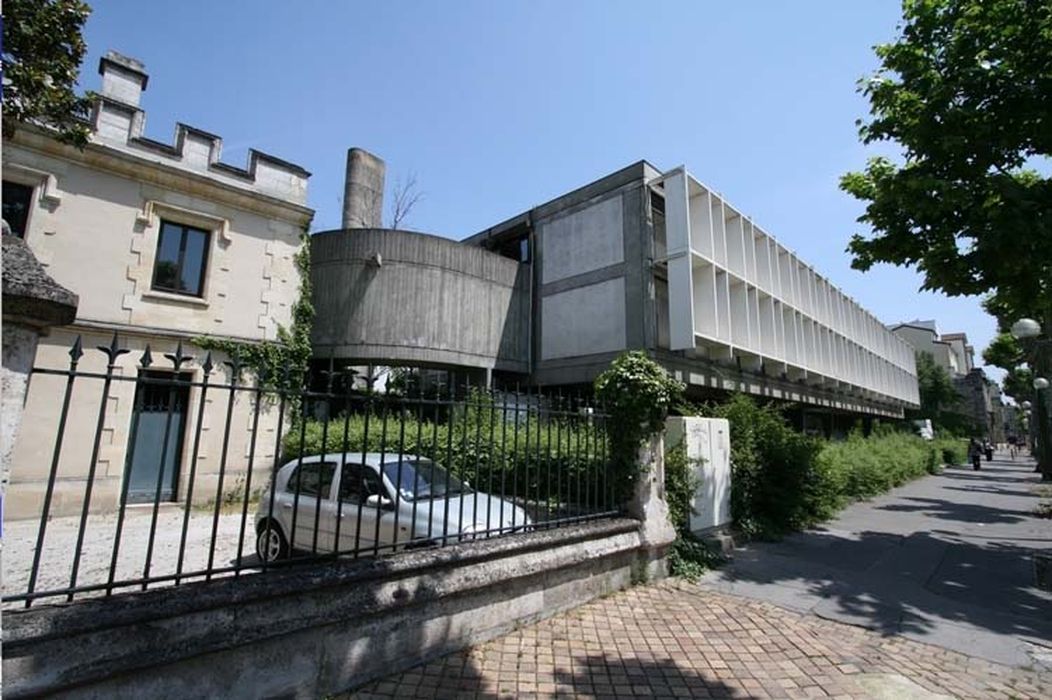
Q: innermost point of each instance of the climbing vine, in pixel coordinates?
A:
(636, 394)
(281, 364)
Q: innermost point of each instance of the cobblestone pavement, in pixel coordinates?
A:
(673, 639)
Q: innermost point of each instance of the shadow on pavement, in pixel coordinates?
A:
(928, 559)
(902, 584)
(961, 512)
(611, 675)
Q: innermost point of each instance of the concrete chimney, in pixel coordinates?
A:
(363, 190)
(123, 78)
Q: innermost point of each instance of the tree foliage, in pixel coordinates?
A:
(42, 53)
(966, 92)
(937, 394)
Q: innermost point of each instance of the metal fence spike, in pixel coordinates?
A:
(76, 351)
(178, 358)
(147, 358)
(113, 350)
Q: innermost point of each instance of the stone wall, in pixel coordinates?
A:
(308, 632)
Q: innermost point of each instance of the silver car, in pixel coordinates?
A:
(347, 502)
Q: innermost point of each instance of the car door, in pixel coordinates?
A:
(358, 522)
(308, 511)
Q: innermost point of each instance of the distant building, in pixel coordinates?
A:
(980, 399)
(638, 260)
(163, 243)
(924, 337)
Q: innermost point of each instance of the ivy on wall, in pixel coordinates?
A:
(281, 364)
(637, 394)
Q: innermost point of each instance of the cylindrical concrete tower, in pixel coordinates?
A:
(363, 190)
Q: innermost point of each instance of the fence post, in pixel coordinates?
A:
(649, 506)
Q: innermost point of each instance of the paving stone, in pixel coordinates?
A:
(673, 639)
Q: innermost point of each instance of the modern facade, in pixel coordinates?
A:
(640, 259)
(163, 243)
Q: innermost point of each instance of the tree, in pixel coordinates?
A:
(938, 397)
(966, 92)
(406, 196)
(42, 52)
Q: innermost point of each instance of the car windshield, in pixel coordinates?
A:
(422, 478)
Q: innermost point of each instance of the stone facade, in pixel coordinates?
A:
(980, 399)
(95, 222)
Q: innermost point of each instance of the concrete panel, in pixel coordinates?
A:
(584, 321)
(585, 240)
(390, 297)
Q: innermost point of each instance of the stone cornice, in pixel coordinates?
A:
(170, 177)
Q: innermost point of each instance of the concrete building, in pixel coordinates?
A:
(640, 259)
(163, 243)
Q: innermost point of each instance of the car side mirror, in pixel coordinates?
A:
(378, 501)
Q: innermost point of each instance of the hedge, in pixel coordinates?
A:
(556, 458)
(783, 480)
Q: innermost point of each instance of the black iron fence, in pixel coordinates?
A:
(225, 472)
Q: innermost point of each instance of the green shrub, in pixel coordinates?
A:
(952, 450)
(783, 481)
(680, 485)
(775, 477)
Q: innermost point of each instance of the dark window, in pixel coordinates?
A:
(515, 248)
(17, 200)
(312, 479)
(182, 255)
(358, 483)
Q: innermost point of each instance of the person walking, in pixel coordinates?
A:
(975, 453)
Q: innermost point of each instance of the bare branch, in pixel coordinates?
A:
(405, 197)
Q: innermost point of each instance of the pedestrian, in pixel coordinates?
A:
(975, 453)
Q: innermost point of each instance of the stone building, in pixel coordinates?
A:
(980, 399)
(163, 243)
(923, 336)
(640, 259)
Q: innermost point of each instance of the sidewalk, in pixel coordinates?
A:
(926, 592)
(946, 560)
(674, 640)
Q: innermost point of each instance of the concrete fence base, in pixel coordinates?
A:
(308, 631)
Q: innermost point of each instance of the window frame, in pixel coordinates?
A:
(295, 489)
(206, 257)
(365, 468)
(29, 204)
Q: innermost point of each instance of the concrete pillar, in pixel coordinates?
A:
(363, 190)
(648, 502)
(32, 302)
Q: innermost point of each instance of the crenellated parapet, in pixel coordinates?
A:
(119, 122)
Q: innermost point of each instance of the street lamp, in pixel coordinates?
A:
(1029, 329)
(1026, 328)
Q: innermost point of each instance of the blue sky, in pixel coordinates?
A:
(500, 105)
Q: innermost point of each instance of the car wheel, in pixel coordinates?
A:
(271, 544)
